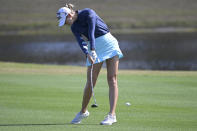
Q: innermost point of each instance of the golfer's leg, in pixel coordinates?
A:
(88, 89)
(112, 70)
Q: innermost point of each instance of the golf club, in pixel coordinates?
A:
(93, 105)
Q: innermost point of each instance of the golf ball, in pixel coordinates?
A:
(128, 104)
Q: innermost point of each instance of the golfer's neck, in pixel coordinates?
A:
(75, 16)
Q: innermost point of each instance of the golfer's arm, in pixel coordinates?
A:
(81, 42)
(91, 29)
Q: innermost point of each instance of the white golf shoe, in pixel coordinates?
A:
(79, 117)
(109, 120)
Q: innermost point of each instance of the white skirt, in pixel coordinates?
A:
(106, 47)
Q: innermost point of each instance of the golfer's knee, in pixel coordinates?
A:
(89, 84)
(112, 80)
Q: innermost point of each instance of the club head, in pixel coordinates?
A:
(94, 105)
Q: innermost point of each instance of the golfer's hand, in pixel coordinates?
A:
(93, 54)
(91, 60)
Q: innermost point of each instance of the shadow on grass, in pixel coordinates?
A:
(59, 124)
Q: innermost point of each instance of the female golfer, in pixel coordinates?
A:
(101, 46)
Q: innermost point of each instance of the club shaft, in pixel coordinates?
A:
(91, 81)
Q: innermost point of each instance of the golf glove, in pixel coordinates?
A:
(93, 55)
(84, 45)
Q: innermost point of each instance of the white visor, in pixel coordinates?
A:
(62, 14)
(62, 20)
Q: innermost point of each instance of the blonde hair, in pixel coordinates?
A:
(70, 6)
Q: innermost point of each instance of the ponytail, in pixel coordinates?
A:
(70, 6)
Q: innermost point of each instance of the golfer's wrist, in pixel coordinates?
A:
(93, 49)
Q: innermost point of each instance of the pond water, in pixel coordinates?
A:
(155, 51)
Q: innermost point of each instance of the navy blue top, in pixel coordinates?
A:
(90, 25)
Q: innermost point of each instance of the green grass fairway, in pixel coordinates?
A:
(47, 97)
